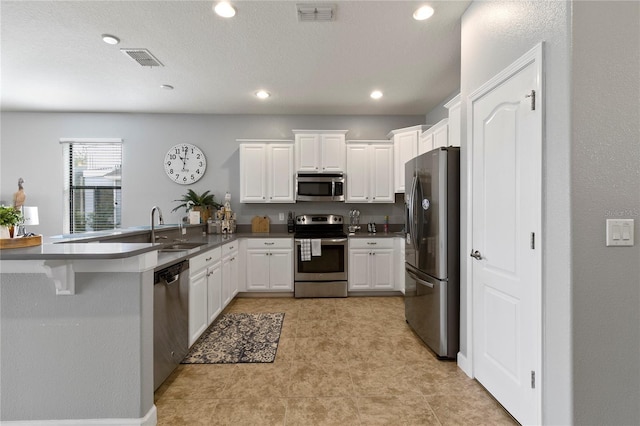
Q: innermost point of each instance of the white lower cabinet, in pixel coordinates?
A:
(371, 264)
(230, 261)
(214, 291)
(204, 292)
(270, 264)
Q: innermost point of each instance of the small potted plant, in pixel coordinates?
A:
(9, 218)
(202, 203)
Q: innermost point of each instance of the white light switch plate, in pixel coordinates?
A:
(620, 232)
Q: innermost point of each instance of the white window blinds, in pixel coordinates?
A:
(94, 185)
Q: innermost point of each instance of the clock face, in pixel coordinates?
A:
(185, 164)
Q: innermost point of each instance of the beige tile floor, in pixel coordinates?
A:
(351, 361)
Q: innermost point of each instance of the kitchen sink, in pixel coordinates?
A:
(181, 246)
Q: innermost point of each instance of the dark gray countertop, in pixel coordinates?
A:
(377, 235)
(63, 247)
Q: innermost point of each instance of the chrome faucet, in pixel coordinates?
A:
(160, 222)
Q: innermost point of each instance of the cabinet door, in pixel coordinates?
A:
(382, 269)
(359, 269)
(214, 291)
(281, 270)
(406, 148)
(332, 149)
(381, 171)
(426, 142)
(253, 169)
(281, 173)
(454, 121)
(357, 173)
(233, 279)
(441, 135)
(226, 281)
(308, 152)
(197, 305)
(257, 270)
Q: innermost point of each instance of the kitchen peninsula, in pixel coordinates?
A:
(77, 331)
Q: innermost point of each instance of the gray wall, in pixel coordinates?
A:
(84, 356)
(439, 112)
(30, 149)
(494, 34)
(605, 181)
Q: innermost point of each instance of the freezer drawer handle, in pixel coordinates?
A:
(423, 282)
(476, 254)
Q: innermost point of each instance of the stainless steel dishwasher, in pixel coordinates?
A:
(170, 319)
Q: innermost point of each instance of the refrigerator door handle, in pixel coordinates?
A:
(418, 280)
(412, 207)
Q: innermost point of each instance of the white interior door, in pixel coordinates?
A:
(506, 208)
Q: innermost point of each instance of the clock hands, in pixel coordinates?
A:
(184, 161)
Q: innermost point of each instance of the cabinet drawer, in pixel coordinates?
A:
(203, 260)
(371, 243)
(229, 248)
(269, 243)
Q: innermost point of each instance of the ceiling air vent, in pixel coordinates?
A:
(143, 57)
(316, 12)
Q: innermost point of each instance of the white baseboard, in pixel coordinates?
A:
(464, 364)
(150, 419)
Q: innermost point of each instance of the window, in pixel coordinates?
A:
(93, 187)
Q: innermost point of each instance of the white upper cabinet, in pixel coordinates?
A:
(435, 137)
(320, 150)
(405, 145)
(454, 120)
(266, 171)
(370, 172)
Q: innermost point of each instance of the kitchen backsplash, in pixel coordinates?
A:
(368, 212)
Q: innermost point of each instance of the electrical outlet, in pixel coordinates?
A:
(281, 216)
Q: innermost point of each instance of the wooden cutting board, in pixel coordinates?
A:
(260, 224)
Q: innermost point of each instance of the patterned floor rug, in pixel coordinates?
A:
(238, 338)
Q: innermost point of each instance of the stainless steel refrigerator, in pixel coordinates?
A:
(432, 239)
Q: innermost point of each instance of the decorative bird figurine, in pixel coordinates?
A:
(19, 197)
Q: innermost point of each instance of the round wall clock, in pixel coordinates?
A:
(185, 164)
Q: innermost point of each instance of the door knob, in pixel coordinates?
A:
(475, 254)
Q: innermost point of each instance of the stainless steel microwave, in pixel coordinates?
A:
(320, 186)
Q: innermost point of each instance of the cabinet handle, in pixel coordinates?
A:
(372, 244)
(374, 198)
(269, 244)
(208, 259)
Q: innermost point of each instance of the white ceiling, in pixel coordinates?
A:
(53, 57)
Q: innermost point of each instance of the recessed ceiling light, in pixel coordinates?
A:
(425, 12)
(263, 94)
(110, 39)
(225, 9)
(166, 87)
(376, 94)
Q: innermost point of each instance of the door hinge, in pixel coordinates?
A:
(532, 95)
(533, 379)
(533, 241)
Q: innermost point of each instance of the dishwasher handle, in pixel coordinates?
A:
(170, 279)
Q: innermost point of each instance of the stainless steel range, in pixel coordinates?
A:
(321, 256)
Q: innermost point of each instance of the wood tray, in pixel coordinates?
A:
(260, 224)
(9, 243)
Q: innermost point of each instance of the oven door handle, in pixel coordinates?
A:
(329, 240)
